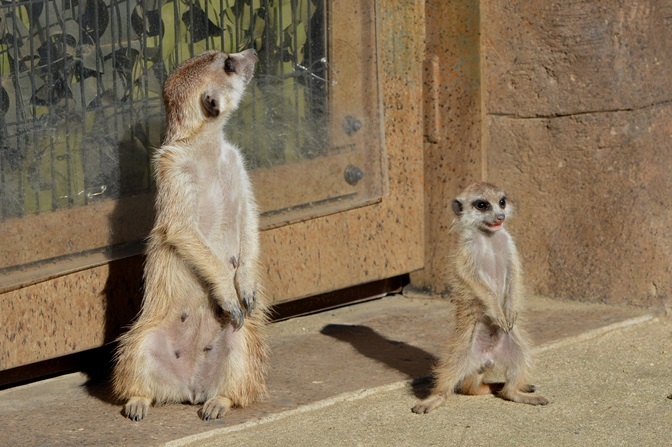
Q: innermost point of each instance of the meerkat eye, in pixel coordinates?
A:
(502, 202)
(481, 205)
(228, 65)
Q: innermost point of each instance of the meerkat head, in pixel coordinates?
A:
(483, 206)
(204, 90)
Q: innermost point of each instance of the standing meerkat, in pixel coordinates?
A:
(487, 292)
(196, 338)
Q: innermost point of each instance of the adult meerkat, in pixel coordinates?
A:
(196, 338)
(487, 293)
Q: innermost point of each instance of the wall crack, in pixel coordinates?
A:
(579, 113)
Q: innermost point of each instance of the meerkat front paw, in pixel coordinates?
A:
(501, 322)
(511, 316)
(249, 299)
(246, 287)
(235, 312)
(227, 298)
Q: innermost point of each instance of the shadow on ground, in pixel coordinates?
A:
(414, 362)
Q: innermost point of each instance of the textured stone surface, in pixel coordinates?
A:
(592, 221)
(579, 118)
(68, 314)
(598, 398)
(452, 108)
(548, 58)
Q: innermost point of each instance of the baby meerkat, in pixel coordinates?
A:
(487, 293)
(199, 336)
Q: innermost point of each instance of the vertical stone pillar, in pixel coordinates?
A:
(453, 155)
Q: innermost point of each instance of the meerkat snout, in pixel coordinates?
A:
(242, 63)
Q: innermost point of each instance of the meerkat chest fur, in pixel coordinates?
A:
(220, 186)
(217, 187)
(492, 253)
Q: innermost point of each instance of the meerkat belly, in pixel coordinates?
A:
(216, 364)
(488, 341)
(184, 346)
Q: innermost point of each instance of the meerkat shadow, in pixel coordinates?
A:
(98, 383)
(405, 358)
(128, 180)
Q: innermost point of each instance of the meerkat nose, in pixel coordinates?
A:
(252, 52)
(500, 216)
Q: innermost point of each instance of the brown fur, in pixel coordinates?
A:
(200, 335)
(487, 293)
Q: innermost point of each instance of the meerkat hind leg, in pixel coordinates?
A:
(516, 388)
(233, 366)
(473, 383)
(514, 394)
(452, 370)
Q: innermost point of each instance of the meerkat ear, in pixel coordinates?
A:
(210, 105)
(457, 207)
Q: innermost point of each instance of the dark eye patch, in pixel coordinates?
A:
(481, 205)
(502, 202)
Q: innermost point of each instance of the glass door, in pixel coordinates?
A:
(331, 129)
(82, 114)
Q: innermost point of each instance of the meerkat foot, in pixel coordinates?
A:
(136, 408)
(523, 398)
(429, 404)
(215, 408)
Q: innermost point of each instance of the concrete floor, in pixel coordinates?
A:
(356, 363)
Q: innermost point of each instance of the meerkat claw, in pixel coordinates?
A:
(249, 301)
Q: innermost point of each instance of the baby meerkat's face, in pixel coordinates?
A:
(482, 206)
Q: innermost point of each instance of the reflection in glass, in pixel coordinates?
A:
(81, 112)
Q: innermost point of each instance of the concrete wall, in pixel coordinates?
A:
(577, 112)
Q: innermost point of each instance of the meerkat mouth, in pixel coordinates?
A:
(495, 226)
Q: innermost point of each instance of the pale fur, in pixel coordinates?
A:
(199, 336)
(487, 292)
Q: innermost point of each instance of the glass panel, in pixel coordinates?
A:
(81, 111)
